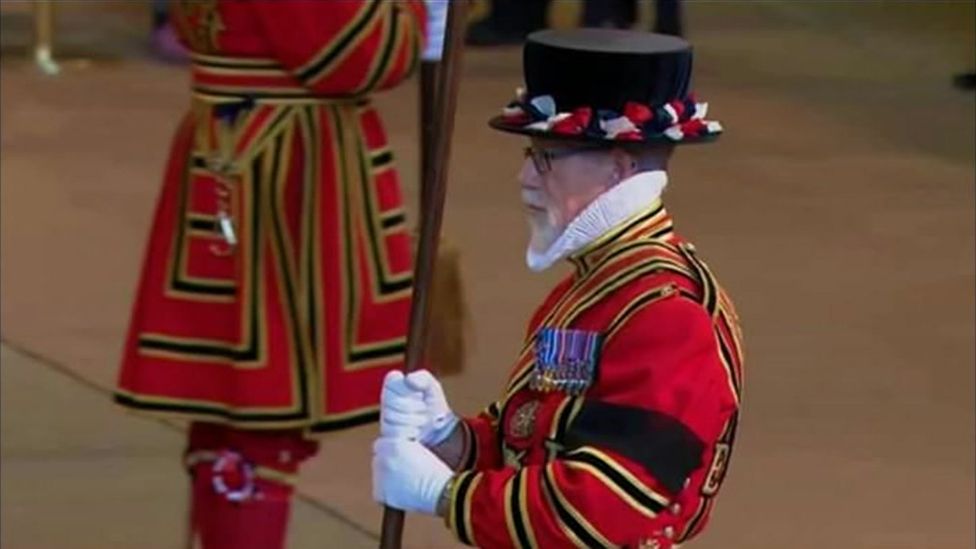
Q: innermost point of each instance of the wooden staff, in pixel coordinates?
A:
(435, 189)
(447, 323)
(428, 106)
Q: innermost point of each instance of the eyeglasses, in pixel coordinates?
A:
(542, 158)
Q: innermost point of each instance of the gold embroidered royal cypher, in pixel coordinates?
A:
(522, 423)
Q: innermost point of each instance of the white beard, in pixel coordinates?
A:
(624, 200)
(543, 231)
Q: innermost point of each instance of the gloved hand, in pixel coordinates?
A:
(414, 407)
(436, 27)
(403, 413)
(408, 476)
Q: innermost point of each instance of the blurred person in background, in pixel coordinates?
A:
(622, 14)
(965, 81)
(510, 21)
(165, 43)
(275, 290)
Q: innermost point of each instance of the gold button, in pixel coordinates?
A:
(668, 532)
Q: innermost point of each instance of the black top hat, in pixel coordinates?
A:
(604, 85)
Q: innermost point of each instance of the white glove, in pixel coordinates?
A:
(408, 476)
(402, 410)
(414, 407)
(441, 420)
(436, 27)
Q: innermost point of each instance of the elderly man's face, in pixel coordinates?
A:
(560, 182)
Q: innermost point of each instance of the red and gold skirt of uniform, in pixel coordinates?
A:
(275, 291)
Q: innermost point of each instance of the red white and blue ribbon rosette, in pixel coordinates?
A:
(676, 121)
(233, 477)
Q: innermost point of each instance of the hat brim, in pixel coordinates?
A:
(499, 123)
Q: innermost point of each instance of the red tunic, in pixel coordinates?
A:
(295, 322)
(637, 458)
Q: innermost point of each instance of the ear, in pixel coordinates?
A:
(624, 164)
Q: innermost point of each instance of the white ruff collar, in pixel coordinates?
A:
(622, 201)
